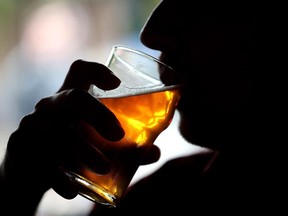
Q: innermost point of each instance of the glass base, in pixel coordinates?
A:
(92, 191)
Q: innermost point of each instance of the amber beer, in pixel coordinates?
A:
(143, 117)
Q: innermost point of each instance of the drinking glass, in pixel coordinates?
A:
(144, 103)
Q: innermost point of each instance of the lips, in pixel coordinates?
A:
(168, 59)
(173, 62)
(178, 64)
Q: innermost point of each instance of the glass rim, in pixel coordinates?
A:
(142, 53)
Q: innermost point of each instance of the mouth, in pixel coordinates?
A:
(185, 67)
(169, 60)
(178, 63)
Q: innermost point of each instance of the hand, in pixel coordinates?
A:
(47, 139)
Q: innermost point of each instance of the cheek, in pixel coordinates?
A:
(217, 76)
(224, 89)
(206, 49)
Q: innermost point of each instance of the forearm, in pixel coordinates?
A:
(15, 197)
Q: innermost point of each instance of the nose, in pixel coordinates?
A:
(161, 29)
(155, 38)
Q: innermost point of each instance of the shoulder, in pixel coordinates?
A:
(186, 170)
(194, 164)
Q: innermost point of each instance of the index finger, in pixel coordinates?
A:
(83, 73)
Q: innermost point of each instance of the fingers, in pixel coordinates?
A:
(142, 155)
(151, 156)
(51, 142)
(76, 151)
(74, 105)
(62, 185)
(82, 74)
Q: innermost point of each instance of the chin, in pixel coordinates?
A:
(198, 133)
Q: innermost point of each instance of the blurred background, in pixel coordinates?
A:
(39, 39)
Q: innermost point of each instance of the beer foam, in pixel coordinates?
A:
(123, 91)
